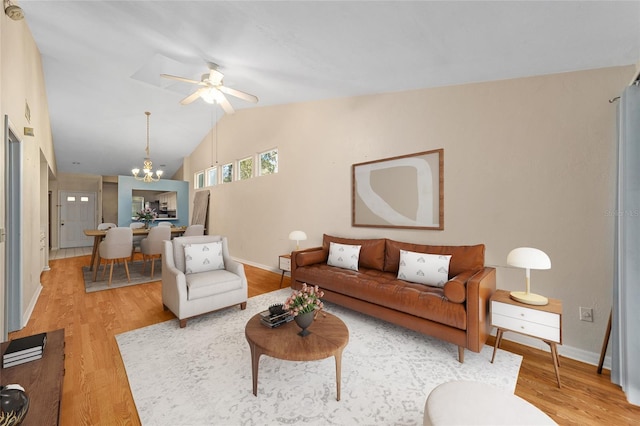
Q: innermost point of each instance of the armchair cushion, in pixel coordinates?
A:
(209, 283)
(203, 257)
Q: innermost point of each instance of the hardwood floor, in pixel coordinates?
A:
(96, 390)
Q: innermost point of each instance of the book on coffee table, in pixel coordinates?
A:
(274, 320)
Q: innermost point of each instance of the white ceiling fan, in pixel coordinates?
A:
(212, 90)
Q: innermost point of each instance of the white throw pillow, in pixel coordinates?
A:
(343, 256)
(203, 257)
(424, 268)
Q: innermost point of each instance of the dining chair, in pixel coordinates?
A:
(164, 224)
(115, 246)
(106, 225)
(193, 230)
(137, 238)
(151, 247)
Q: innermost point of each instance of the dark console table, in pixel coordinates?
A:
(41, 380)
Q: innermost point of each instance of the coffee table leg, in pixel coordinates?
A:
(255, 360)
(338, 357)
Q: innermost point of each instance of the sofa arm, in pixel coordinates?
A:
(455, 290)
(174, 284)
(236, 268)
(306, 257)
(480, 288)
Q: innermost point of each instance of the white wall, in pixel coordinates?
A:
(528, 162)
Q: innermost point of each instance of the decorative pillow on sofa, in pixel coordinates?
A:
(424, 268)
(343, 256)
(203, 257)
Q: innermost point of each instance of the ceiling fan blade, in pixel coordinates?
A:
(173, 77)
(239, 94)
(192, 97)
(226, 106)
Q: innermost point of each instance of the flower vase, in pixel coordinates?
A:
(147, 224)
(304, 321)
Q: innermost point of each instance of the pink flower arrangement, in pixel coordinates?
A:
(307, 299)
(146, 215)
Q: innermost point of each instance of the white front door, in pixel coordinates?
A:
(77, 213)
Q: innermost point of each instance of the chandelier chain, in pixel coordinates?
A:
(147, 171)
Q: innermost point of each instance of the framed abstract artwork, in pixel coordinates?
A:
(400, 192)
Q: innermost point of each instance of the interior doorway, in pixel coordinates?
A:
(13, 220)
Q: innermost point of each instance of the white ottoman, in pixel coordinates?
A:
(474, 403)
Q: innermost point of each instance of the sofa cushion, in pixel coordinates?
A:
(424, 268)
(203, 257)
(204, 284)
(343, 256)
(463, 258)
(371, 250)
(383, 288)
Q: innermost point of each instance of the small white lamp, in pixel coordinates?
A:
(297, 236)
(528, 258)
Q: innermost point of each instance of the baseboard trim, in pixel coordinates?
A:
(32, 304)
(259, 265)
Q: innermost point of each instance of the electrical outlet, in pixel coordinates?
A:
(586, 314)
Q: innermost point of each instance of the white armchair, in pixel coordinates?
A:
(199, 276)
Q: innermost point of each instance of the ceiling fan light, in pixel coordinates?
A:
(218, 96)
(208, 96)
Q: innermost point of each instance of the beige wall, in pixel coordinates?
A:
(528, 162)
(22, 80)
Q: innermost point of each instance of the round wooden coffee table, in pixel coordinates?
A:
(329, 335)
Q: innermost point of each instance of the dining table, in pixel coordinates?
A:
(98, 235)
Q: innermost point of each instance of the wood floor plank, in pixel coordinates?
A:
(96, 389)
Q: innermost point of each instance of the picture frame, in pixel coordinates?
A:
(399, 192)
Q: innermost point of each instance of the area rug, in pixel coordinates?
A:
(119, 278)
(201, 374)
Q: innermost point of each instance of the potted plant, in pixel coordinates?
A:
(146, 215)
(303, 305)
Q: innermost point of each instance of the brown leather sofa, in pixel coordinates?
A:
(457, 313)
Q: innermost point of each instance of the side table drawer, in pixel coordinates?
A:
(525, 327)
(531, 315)
(285, 263)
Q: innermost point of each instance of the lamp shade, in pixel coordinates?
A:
(297, 236)
(529, 258)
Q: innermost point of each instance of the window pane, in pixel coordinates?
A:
(227, 173)
(246, 168)
(212, 176)
(269, 162)
(70, 198)
(198, 181)
(84, 199)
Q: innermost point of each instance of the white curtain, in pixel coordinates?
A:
(625, 366)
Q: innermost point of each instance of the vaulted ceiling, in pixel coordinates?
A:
(103, 59)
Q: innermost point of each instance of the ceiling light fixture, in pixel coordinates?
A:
(148, 165)
(13, 11)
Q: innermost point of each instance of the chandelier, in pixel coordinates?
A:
(147, 169)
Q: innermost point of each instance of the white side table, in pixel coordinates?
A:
(285, 265)
(542, 322)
